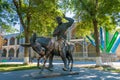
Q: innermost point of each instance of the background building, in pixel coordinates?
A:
(12, 48)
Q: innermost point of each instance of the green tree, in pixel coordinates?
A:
(5, 18)
(92, 14)
(36, 16)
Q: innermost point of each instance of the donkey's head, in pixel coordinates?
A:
(38, 48)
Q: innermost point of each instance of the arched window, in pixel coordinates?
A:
(78, 47)
(12, 41)
(17, 41)
(91, 51)
(4, 53)
(17, 54)
(78, 51)
(6, 41)
(11, 52)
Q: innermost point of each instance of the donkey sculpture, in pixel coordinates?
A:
(69, 50)
(45, 47)
(65, 50)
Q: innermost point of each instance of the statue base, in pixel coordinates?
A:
(38, 75)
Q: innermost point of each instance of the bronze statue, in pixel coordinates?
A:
(53, 46)
(60, 33)
(46, 48)
(52, 49)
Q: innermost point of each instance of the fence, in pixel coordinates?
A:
(79, 56)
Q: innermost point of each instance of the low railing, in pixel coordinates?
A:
(91, 57)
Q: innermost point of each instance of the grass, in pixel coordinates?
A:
(104, 68)
(16, 67)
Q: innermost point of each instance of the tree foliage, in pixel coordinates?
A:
(92, 14)
(41, 13)
(106, 13)
(6, 19)
(36, 16)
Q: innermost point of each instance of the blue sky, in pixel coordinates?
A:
(69, 14)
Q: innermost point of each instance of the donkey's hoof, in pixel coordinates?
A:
(50, 66)
(39, 67)
(70, 70)
(40, 72)
(50, 69)
(65, 69)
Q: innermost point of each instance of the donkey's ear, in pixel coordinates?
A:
(34, 36)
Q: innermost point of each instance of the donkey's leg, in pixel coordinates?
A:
(51, 60)
(45, 60)
(71, 49)
(71, 58)
(63, 56)
(50, 65)
(42, 68)
(38, 62)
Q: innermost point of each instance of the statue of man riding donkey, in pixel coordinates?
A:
(48, 47)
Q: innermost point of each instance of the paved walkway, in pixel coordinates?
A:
(84, 74)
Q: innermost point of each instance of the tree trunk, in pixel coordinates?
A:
(26, 52)
(26, 27)
(98, 58)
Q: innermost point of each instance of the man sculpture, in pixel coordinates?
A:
(60, 34)
(60, 31)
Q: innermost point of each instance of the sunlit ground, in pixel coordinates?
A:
(112, 67)
(15, 66)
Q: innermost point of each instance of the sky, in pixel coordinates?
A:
(69, 14)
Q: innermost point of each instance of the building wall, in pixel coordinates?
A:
(91, 50)
(118, 51)
(12, 47)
